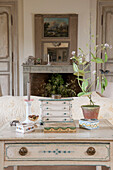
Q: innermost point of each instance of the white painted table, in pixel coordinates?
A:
(85, 147)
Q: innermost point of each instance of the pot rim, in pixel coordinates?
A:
(91, 106)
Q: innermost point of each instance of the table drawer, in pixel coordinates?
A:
(57, 151)
(56, 113)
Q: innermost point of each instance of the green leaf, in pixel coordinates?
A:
(106, 82)
(87, 45)
(84, 85)
(88, 72)
(81, 50)
(81, 72)
(84, 62)
(75, 74)
(97, 60)
(97, 82)
(93, 56)
(75, 67)
(103, 84)
(84, 94)
(79, 79)
(106, 57)
(80, 94)
(93, 60)
(102, 90)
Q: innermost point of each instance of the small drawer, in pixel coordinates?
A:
(56, 103)
(57, 151)
(56, 113)
(47, 118)
(56, 107)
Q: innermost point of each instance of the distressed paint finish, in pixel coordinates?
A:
(58, 151)
(2, 155)
(56, 109)
(4, 51)
(75, 146)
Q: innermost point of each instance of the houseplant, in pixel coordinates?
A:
(90, 111)
(57, 88)
(38, 61)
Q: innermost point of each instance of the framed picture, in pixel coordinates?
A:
(56, 35)
(56, 27)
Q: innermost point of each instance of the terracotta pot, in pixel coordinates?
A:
(56, 96)
(90, 111)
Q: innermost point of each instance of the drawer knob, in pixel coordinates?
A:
(23, 151)
(91, 151)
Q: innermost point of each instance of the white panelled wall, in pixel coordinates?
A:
(26, 11)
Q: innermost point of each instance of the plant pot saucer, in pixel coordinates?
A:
(89, 124)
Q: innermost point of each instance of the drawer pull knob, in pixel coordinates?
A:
(46, 102)
(64, 102)
(91, 151)
(23, 151)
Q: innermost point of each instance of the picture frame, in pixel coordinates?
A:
(44, 41)
(56, 27)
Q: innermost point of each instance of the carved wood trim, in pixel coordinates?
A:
(103, 10)
(11, 7)
(7, 55)
(7, 67)
(6, 76)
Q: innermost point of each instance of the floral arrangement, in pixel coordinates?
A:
(80, 62)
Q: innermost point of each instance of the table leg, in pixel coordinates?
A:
(15, 168)
(1, 155)
(98, 167)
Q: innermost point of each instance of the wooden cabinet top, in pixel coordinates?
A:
(103, 133)
(65, 99)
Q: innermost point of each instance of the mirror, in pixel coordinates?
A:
(58, 52)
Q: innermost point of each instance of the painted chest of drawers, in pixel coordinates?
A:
(85, 147)
(56, 109)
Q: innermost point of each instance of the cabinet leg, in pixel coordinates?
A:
(15, 168)
(98, 167)
(2, 156)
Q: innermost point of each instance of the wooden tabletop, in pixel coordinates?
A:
(103, 133)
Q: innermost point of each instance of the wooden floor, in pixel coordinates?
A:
(58, 168)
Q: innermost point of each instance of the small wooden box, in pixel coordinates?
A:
(24, 128)
(60, 127)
